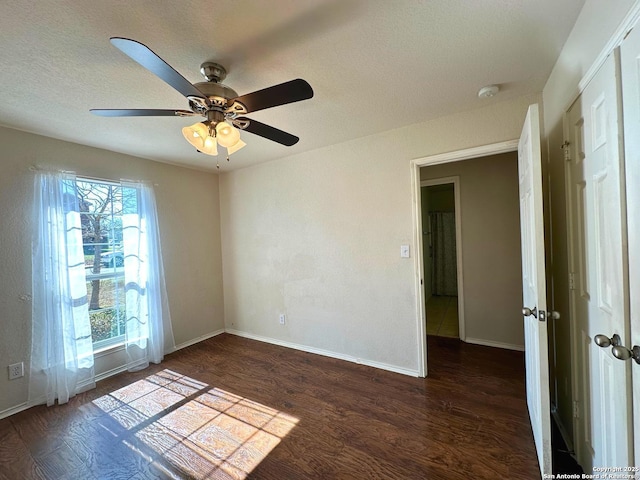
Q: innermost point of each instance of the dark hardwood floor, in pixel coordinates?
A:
(230, 407)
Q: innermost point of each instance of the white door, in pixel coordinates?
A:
(631, 108)
(602, 387)
(534, 286)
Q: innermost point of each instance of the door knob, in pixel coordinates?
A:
(540, 315)
(623, 353)
(604, 341)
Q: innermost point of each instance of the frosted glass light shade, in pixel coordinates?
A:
(227, 134)
(195, 134)
(223, 128)
(210, 146)
(198, 136)
(235, 147)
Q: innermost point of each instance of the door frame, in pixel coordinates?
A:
(415, 165)
(577, 425)
(455, 180)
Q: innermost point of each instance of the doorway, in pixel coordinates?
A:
(440, 256)
(489, 313)
(493, 261)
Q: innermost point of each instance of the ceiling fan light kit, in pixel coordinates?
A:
(217, 103)
(206, 136)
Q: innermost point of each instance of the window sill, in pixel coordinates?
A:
(108, 349)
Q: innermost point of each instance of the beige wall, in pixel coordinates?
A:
(317, 236)
(188, 211)
(594, 27)
(491, 258)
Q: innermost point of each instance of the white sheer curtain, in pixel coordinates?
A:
(148, 321)
(61, 347)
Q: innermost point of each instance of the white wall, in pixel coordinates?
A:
(594, 27)
(188, 211)
(491, 257)
(317, 236)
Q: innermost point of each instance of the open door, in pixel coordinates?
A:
(534, 287)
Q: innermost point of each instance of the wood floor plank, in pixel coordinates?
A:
(16, 460)
(231, 407)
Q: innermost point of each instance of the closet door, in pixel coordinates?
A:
(631, 105)
(598, 262)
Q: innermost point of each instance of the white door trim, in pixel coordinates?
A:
(455, 156)
(458, 216)
(571, 306)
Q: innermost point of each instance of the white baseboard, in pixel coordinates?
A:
(197, 340)
(325, 353)
(489, 343)
(109, 373)
(13, 410)
(124, 368)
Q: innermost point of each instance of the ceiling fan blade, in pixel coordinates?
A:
(152, 62)
(268, 132)
(287, 92)
(142, 112)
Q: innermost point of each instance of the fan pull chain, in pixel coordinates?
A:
(218, 165)
(227, 157)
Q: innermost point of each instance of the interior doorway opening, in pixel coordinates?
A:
(440, 257)
(489, 287)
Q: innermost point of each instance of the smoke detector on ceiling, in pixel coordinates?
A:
(488, 91)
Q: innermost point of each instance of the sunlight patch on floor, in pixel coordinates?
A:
(201, 431)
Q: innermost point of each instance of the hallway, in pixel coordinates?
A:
(442, 316)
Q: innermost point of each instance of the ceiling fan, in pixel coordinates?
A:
(220, 105)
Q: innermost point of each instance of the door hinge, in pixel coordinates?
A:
(576, 409)
(572, 281)
(567, 151)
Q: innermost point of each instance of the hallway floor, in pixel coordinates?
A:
(442, 316)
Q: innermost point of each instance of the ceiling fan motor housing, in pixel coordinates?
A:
(217, 93)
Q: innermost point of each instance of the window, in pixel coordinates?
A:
(98, 281)
(101, 210)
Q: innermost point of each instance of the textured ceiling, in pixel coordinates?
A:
(374, 65)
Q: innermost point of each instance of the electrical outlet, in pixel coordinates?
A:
(283, 319)
(16, 371)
